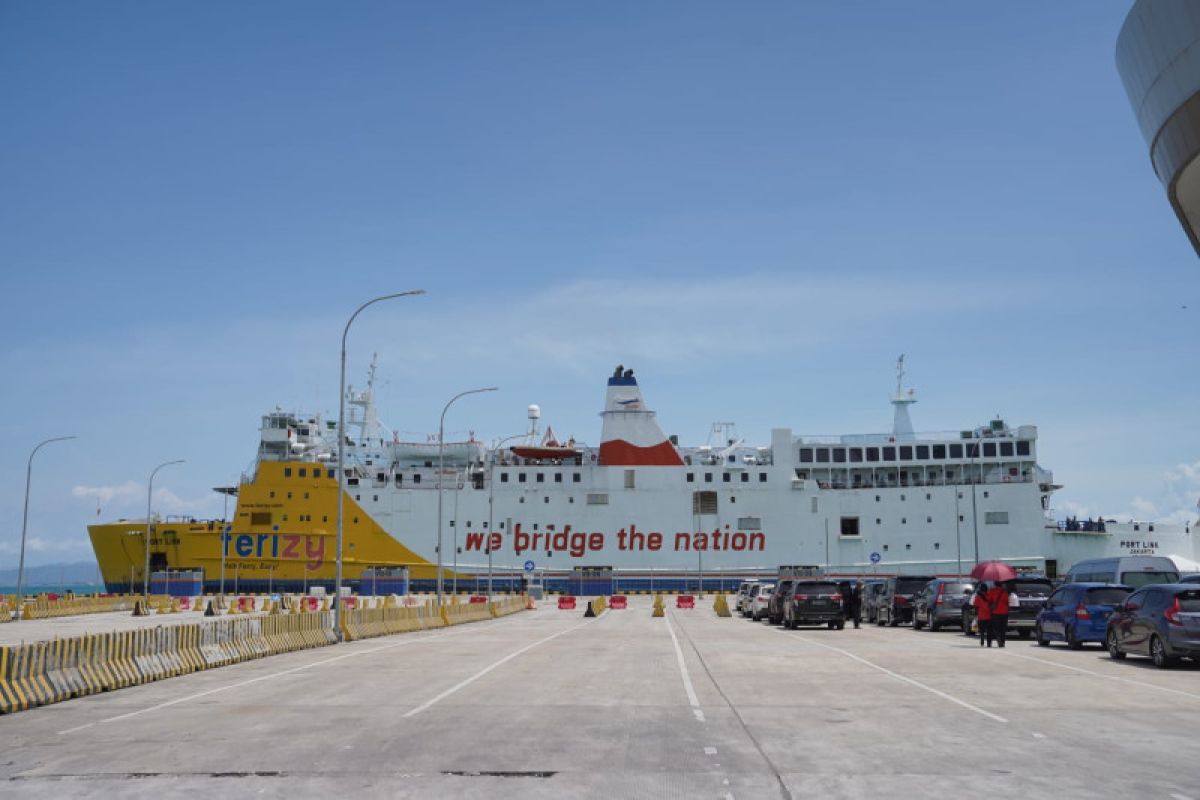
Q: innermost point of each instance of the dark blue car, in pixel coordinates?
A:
(1078, 613)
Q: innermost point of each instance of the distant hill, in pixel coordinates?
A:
(50, 574)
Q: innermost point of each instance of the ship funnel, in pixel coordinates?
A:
(630, 435)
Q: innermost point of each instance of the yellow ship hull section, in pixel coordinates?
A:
(284, 532)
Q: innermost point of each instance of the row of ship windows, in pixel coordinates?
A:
(727, 477)
(909, 452)
(849, 525)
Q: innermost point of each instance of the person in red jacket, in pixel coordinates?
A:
(997, 597)
(983, 615)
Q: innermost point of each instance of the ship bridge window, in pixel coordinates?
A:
(504, 477)
(889, 454)
(287, 472)
(806, 455)
(416, 477)
(520, 477)
(923, 451)
(303, 472)
(541, 477)
(762, 477)
(872, 454)
(989, 449)
(708, 477)
(575, 477)
(399, 479)
(839, 455)
(691, 477)
(939, 451)
(849, 526)
(823, 455)
(956, 451)
(1023, 448)
(1006, 448)
(856, 455)
(558, 477)
(906, 452)
(745, 477)
(726, 477)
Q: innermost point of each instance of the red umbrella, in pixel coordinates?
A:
(993, 571)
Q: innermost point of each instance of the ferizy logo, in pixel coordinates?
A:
(285, 546)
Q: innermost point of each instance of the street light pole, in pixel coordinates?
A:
(149, 498)
(441, 462)
(491, 498)
(25, 516)
(341, 461)
(226, 529)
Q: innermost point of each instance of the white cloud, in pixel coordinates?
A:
(132, 495)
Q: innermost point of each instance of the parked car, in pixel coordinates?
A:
(814, 602)
(870, 599)
(1161, 621)
(1078, 613)
(779, 595)
(1134, 571)
(940, 603)
(1030, 593)
(894, 604)
(743, 596)
(1193, 578)
(760, 596)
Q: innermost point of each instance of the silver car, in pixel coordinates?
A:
(760, 595)
(742, 603)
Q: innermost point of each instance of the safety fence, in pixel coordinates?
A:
(385, 619)
(48, 672)
(44, 607)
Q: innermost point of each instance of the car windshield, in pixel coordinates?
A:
(910, 585)
(1032, 589)
(1138, 579)
(1105, 597)
(957, 588)
(1189, 601)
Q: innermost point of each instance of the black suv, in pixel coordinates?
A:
(815, 603)
(895, 599)
(783, 590)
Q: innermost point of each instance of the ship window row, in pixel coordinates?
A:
(727, 477)
(540, 477)
(918, 452)
(302, 472)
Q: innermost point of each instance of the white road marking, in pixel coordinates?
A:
(1192, 695)
(178, 700)
(1039, 736)
(1178, 796)
(907, 680)
(683, 670)
(464, 683)
(710, 751)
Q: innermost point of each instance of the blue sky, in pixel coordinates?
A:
(758, 207)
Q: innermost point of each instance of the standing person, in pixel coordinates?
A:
(997, 597)
(854, 602)
(983, 614)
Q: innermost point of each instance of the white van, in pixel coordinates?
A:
(1133, 571)
(743, 595)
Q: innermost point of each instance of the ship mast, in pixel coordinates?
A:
(902, 427)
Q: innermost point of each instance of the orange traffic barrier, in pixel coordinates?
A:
(618, 601)
(566, 602)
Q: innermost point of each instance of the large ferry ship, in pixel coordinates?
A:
(638, 511)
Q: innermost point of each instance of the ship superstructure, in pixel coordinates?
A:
(637, 505)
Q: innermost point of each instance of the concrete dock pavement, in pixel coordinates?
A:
(549, 704)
